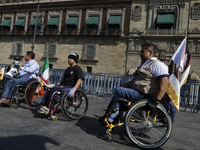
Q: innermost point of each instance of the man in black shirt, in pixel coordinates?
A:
(72, 79)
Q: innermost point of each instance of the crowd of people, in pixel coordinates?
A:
(150, 81)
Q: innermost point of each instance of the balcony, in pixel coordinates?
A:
(70, 30)
(18, 31)
(51, 32)
(4, 31)
(165, 32)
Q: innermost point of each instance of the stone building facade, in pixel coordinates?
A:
(107, 34)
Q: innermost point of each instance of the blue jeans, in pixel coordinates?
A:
(48, 94)
(126, 93)
(11, 84)
(171, 109)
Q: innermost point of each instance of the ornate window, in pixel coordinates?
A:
(115, 21)
(54, 22)
(71, 25)
(18, 47)
(93, 21)
(73, 21)
(5, 26)
(20, 25)
(50, 50)
(89, 52)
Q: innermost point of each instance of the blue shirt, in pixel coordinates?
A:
(29, 69)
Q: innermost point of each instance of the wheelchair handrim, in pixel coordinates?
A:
(137, 141)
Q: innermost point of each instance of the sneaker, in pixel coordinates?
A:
(43, 110)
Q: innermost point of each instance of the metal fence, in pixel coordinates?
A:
(103, 85)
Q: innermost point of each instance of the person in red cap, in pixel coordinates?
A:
(72, 79)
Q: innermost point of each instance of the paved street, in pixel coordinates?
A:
(25, 129)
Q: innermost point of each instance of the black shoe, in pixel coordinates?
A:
(102, 121)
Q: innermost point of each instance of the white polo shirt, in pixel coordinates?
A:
(159, 69)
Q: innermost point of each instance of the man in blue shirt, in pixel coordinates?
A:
(26, 72)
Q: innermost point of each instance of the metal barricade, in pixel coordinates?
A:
(103, 85)
(55, 75)
(190, 95)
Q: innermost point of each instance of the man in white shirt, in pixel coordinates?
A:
(150, 79)
(26, 72)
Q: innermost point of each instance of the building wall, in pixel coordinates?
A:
(115, 54)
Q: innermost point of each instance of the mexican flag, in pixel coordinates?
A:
(45, 71)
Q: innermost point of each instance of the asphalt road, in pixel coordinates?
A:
(25, 129)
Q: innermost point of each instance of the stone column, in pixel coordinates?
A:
(181, 10)
(198, 46)
(191, 45)
(150, 16)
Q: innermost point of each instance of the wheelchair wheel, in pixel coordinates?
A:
(75, 108)
(17, 96)
(148, 129)
(34, 93)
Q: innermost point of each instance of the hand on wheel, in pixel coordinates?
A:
(71, 93)
(152, 103)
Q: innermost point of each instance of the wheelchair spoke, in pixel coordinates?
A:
(149, 129)
(76, 108)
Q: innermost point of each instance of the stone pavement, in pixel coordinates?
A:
(25, 129)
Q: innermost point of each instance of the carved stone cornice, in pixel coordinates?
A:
(137, 13)
(182, 5)
(136, 30)
(195, 11)
(195, 30)
(167, 1)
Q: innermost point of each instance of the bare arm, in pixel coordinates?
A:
(78, 83)
(59, 82)
(163, 85)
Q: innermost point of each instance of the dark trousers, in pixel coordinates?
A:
(49, 93)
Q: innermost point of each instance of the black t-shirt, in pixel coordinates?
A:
(71, 75)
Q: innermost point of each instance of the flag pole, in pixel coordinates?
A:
(169, 62)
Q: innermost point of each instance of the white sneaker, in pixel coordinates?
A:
(43, 110)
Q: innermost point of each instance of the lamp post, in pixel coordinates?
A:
(36, 24)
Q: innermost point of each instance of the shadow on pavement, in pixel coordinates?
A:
(30, 142)
(92, 126)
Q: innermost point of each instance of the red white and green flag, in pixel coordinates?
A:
(45, 71)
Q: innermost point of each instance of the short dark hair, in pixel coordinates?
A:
(31, 54)
(149, 47)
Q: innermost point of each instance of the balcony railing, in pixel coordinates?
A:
(69, 32)
(51, 32)
(64, 32)
(4, 32)
(92, 32)
(18, 32)
(165, 32)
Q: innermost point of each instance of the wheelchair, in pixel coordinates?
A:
(72, 108)
(33, 91)
(148, 129)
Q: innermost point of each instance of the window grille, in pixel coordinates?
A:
(90, 52)
(51, 48)
(18, 48)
